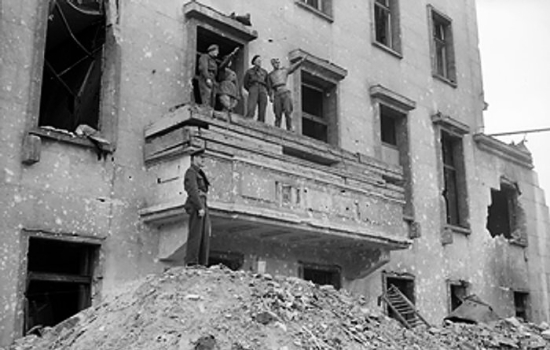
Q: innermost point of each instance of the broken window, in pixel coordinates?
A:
(321, 275)
(386, 24)
(405, 284)
(502, 213)
(458, 291)
(454, 179)
(442, 46)
(324, 6)
(231, 260)
(59, 280)
(71, 81)
(521, 305)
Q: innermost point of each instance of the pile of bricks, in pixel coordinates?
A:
(218, 309)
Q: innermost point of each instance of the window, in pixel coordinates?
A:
(442, 47)
(454, 191)
(321, 275)
(392, 131)
(393, 135)
(206, 26)
(458, 291)
(321, 6)
(207, 37)
(71, 81)
(315, 121)
(317, 97)
(59, 280)
(233, 261)
(521, 305)
(386, 24)
(502, 213)
(405, 284)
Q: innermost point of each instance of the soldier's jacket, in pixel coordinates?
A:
(196, 185)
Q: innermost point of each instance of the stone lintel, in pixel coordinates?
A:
(450, 124)
(392, 98)
(319, 67)
(217, 19)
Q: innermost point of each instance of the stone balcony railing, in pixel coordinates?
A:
(274, 182)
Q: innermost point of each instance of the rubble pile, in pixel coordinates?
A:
(216, 308)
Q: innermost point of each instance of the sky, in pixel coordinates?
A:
(515, 57)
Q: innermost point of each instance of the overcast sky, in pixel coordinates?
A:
(515, 54)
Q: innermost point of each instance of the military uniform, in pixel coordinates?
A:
(282, 102)
(208, 69)
(229, 92)
(198, 240)
(255, 82)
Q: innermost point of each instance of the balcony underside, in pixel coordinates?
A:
(266, 224)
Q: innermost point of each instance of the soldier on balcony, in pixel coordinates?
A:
(229, 92)
(196, 185)
(279, 94)
(255, 82)
(208, 72)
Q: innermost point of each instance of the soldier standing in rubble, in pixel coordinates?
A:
(196, 185)
(208, 72)
(279, 94)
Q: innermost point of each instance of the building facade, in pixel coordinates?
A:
(386, 179)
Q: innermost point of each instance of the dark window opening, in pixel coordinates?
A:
(521, 305)
(321, 275)
(444, 65)
(318, 100)
(502, 212)
(314, 123)
(388, 126)
(233, 261)
(71, 81)
(405, 286)
(383, 22)
(458, 293)
(205, 38)
(452, 152)
(59, 280)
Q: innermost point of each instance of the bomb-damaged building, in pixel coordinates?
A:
(369, 170)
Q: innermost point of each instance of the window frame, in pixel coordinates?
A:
(335, 270)
(198, 17)
(392, 25)
(323, 9)
(109, 93)
(438, 20)
(455, 131)
(322, 75)
(95, 277)
(401, 107)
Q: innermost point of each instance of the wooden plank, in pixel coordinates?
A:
(53, 277)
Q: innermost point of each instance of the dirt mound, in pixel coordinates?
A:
(217, 308)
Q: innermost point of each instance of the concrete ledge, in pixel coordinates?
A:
(173, 212)
(207, 14)
(509, 152)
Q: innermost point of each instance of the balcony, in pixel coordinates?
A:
(271, 184)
